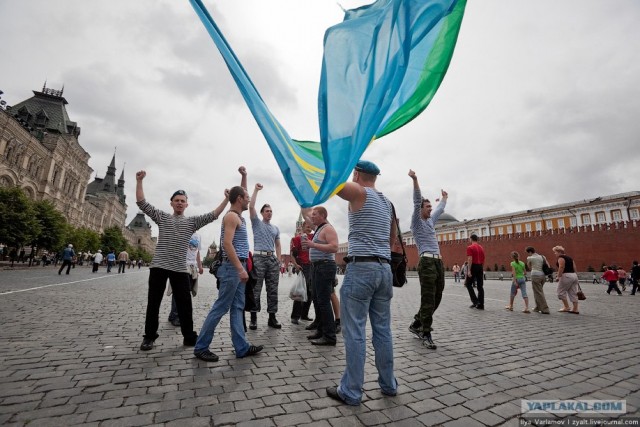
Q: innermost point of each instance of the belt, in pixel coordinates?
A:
(378, 259)
(265, 253)
(224, 258)
(323, 261)
(428, 255)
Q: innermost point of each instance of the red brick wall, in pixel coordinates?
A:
(617, 243)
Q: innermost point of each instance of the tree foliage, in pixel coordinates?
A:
(19, 225)
(53, 226)
(112, 238)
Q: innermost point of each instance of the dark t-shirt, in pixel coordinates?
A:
(568, 264)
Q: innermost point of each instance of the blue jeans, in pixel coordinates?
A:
(230, 299)
(519, 283)
(366, 290)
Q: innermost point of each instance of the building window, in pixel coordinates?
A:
(501, 231)
(633, 213)
(518, 228)
(574, 221)
(549, 224)
(463, 234)
(509, 229)
(527, 226)
(561, 222)
(600, 218)
(586, 219)
(616, 215)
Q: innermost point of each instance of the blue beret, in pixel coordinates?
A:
(367, 167)
(179, 193)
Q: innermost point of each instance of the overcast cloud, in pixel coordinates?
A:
(540, 106)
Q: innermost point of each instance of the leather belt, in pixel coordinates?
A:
(224, 258)
(378, 259)
(428, 255)
(265, 253)
(322, 261)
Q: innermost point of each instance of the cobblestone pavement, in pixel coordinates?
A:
(70, 356)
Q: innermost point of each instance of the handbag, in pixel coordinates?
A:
(398, 260)
(215, 264)
(581, 295)
(546, 269)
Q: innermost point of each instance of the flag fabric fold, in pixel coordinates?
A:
(381, 68)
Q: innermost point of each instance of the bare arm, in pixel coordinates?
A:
(243, 180)
(231, 222)
(560, 267)
(353, 193)
(306, 215)
(139, 190)
(199, 263)
(254, 198)
(217, 211)
(278, 249)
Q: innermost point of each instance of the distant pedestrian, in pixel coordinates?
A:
(622, 278)
(535, 262)
(111, 260)
(123, 258)
(97, 260)
(67, 258)
(611, 276)
(567, 279)
(518, 282)
(475, 262)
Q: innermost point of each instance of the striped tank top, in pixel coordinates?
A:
(369, 227)
(318, 255)
(240, 240)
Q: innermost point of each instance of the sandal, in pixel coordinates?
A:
(573, 312)
(508, 308)
(564, 310)
(526, 310)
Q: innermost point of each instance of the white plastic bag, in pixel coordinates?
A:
(298, 290)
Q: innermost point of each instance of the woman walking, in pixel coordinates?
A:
(567, 281)
(519, 281)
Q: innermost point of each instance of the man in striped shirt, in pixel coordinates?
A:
(266, 256)
(168, 262)
(367, 287)
(430, 268)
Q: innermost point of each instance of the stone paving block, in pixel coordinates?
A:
(174, 414)
(324, 414)
(137, 420)
(215, 409)
(66, 420)
(190, 422)
(373, 418)
(256, 423)
(46, 413)
(456, 411)
(242, 405)
(435, 418)
(463, 422)
(488, 418)
(22, 398)
(292, 419)
(233, 418)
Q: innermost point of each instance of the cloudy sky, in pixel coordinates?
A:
(541, 104)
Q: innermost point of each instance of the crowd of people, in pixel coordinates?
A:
(367, 287)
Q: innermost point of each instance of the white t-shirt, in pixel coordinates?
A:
(193, 249)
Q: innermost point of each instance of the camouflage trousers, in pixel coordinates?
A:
(266, 270)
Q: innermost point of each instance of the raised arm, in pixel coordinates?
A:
(353, 193)
(306, 215)
(139, 190)
(243, 180)
(217, 211)
(254, 197)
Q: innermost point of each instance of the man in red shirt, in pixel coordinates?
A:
(475, 259)
(301, 260)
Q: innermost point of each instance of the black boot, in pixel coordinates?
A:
(253, 325)
(273, 322)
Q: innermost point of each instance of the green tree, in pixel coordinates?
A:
(83, 239)
(112, 238)
(19, 225)
(53, 226)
